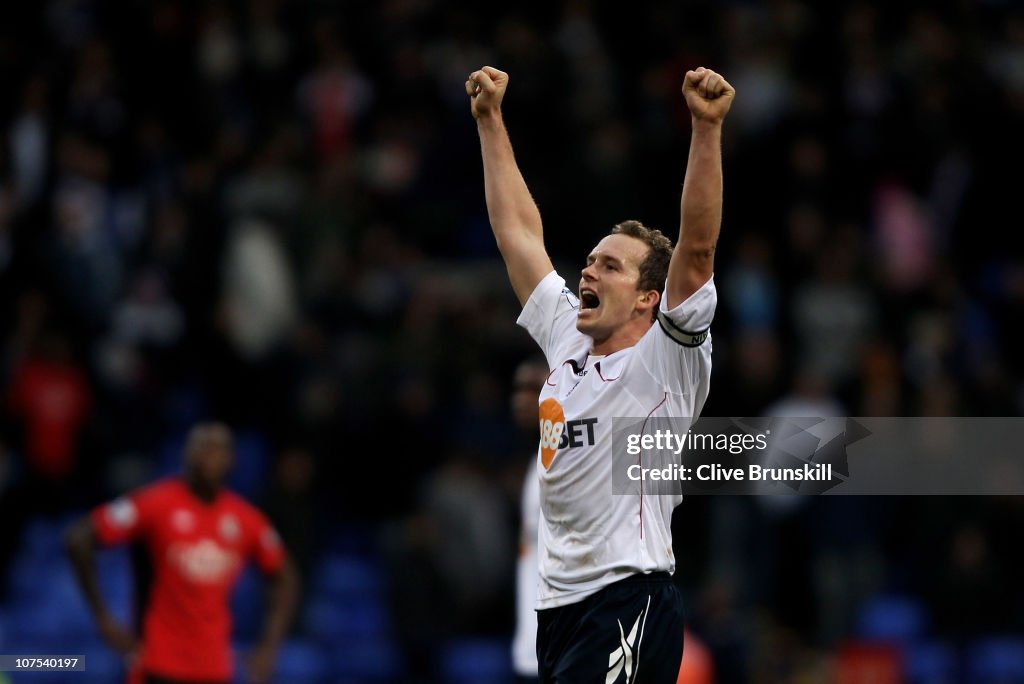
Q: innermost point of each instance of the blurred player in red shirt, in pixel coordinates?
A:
(198, 537)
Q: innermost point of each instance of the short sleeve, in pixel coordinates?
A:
(689, 322)
(266, 549)
(676, 351)
(550, 316)
(124, 519)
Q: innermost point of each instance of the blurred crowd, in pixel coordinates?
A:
(272, 213)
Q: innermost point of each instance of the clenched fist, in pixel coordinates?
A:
(486, 88)
(708, 95)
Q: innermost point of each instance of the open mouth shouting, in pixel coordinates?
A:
(589, 301)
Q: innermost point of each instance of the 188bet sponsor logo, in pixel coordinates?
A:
(557, 433)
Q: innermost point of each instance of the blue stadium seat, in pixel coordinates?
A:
(47, 677)
(477, 661)
(185, 406)
(170, 457)
(59, 609)
(892, 618)
(44, 537)
(997, 660)
(351, 540)
(102, 665)
(47, 602)
(51, 619)
(252, 464)
(346, 600)
(34, 620)
(365, 660)
(30, 576)
(341, 577)
(930, 662)
(247, 605)
(302, 662)
(299, 661)
(76, 619)
(331, 620)
(16, 641)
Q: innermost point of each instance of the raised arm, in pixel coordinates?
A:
(514, 217)
(709, 97)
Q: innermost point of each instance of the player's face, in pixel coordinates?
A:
(608, 288)
(210, 455)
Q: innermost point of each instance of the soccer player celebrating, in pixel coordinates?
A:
(198, 537)
(634, 342)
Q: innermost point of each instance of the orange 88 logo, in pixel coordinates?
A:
(550, 433)
(552, 425)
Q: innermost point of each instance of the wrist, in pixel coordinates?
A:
(489, 121)
(705, 125)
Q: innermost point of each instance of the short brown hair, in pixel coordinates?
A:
(654, 268)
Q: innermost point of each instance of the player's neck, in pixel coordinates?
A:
(204, 492)
(623, 338)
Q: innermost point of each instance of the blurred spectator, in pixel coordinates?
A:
(834, 314)
(292, 505)
(52, 399)
(472, 549)
(697, 666)
(259, 291)
(148, 317)
(590, 69)
(751, 287)
(218, 48)
(969, 590)
(726, 629)
(527, 384)
(904, 237)
(87, 257)
(780, 525)
(334, 95)
(881, 382)
(30, 143)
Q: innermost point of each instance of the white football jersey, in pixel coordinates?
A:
(589, 538)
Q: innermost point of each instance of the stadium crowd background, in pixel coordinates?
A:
(272, 213)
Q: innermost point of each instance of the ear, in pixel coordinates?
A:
(648, 301)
